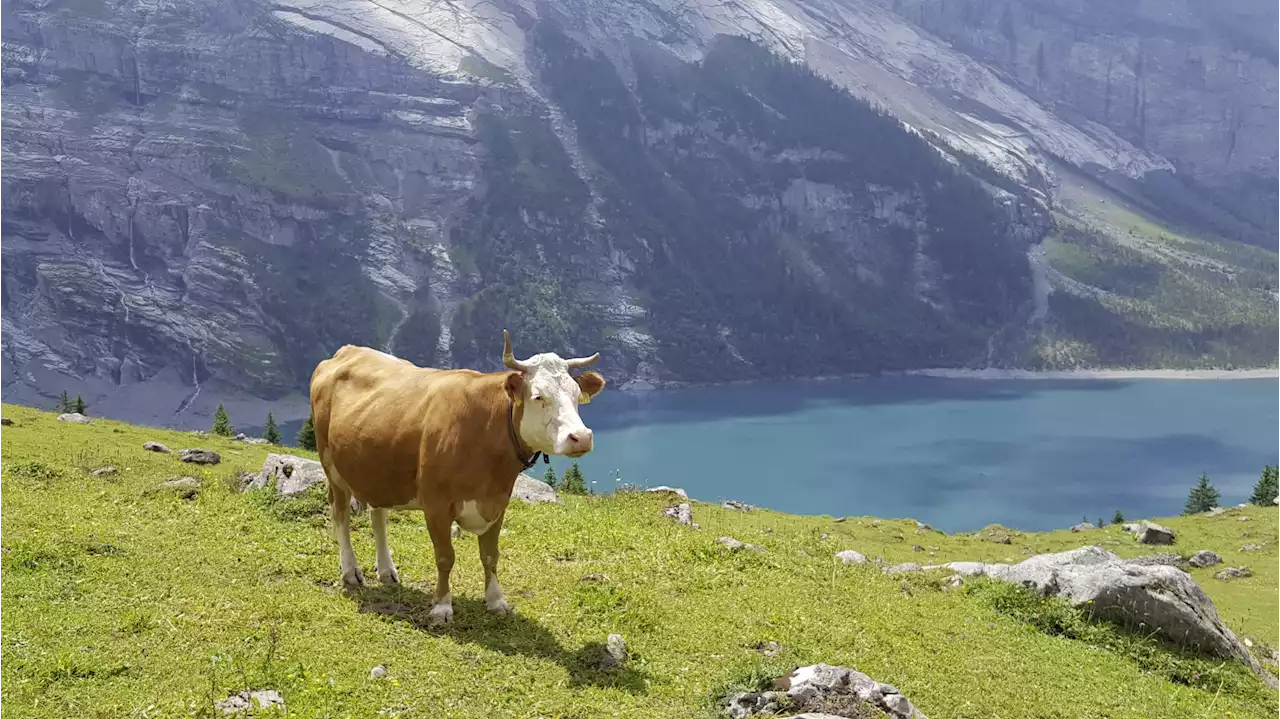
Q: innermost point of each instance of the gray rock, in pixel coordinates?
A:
(903, 567)
(1083, 527)
(199, 456)
(737, 506)
(1243, 518)
(103, 471)
(614, 654)
(1155, 597)
(1251, 548)
(251, 701)
(669, 490)
(819, 684)
(682, 513)
(1152, 533)
(849, 556)
(1204, 558)
(1164, 559)
(74, 417)
(242, 437)
(6, 422)
(378, 672)
(1214, 512)
(769, 649)
(917, 548)
(734, 545)
(1130, 527)
(595, 578)
(157, 447)
(185, 487)
(291, 475)
(532, 491)
(1234, 573)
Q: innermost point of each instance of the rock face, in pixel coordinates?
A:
(532, 491)
(291, 475)
(1153, 597)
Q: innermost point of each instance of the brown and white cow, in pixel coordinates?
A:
(448, 442)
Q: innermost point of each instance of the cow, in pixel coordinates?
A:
(447, 442)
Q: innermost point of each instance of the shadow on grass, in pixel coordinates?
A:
(511, 634)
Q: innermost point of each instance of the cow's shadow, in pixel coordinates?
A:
(510, 634)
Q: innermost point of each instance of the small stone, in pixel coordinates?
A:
(682, 513)
(1233, 573)
(1215, 511)
(237, 703)
(734, 545)
(378, 672)
(903, 567)
(74, 417)
(614, 654)
(1003, 539)
(838, 520)
(769, 649)
(917, 548)
(670, 490)
(594, 578)
(157, 447)
(737, 506)
(849, 556)
(1251, 548)
(533, 491)
(1242, 519)
(875, 523)
(1248, 642)
(103, 471)
(185, 487)
(953, 582)
(199, 456)
(456, 532)
(1204, 558)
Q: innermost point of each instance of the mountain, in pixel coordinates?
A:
(203, 199)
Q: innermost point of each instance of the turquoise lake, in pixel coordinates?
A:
(956, 453)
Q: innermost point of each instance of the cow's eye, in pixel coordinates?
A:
(537, 398)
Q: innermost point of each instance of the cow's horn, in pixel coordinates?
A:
(577, 362)
(508, 357)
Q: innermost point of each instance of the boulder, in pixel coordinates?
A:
(185, 487)
(6, 422)
(291, 475)
(1155, 597)
(533, 491)
(1131, 528)
(74, 417)
(242, 437)
(103, 471)
(199, 456)
(1084, 527)
(1215, 511)
(849, 556)
(1204, 558)
(1251, 548)
(1234, 573)
(737, 506)
(821, 685)
(901, 568)
(1151, 533)
(251, 701)
(669, 490)
(734, 545)
(157, 447)
(682, 513)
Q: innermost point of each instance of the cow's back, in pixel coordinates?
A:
(370, 412)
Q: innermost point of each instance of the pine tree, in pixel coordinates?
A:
(1100, 523)
(307, 436)
(271, 433)
(222, 423)
(550, 476)
(1118, 518)
(1202, 498)
(1264, 492)
(79, 405)
(64, 403)
(573, 481)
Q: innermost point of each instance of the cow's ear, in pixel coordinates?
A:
(590, 383)
(515, 384)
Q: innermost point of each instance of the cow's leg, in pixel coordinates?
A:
(386, 567)
(439, 525)
(340, 509)
(493, 596)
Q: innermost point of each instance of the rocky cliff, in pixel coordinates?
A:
(202, 199)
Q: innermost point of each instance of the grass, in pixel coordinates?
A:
(123, 601)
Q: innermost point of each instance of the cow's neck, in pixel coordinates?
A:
(503, 416)
(525, 454)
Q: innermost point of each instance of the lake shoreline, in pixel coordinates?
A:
(642, 386)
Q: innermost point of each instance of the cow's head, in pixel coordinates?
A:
(551, 397)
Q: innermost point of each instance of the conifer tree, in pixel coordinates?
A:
(1118, 518)
(64, 403)
(271, 433)
(1202, 497)
(222, 423)
(550, 476)
(307, 436)
(79, 405)
(573, 481)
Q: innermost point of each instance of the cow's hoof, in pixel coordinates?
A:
(353, 578)
(389, 577)
(440, 614)
(500, 607)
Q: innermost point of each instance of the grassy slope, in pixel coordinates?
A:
(123, 602)
(1165, 285)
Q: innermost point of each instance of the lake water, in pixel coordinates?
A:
(956, 453)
